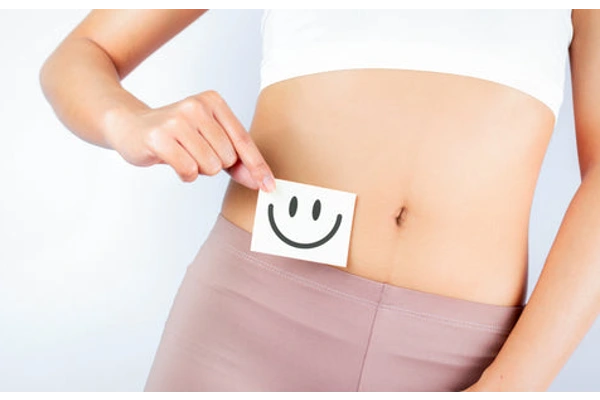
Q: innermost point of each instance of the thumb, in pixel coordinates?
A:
(242, 175)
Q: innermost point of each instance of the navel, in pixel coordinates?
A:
(400, 216)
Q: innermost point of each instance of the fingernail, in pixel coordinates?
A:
(268, 183)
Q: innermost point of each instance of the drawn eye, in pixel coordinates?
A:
(316, 211)
(293, 206)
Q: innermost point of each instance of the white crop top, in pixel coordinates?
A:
(523, 49)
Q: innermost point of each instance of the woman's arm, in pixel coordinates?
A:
(566, 298)
(81, 78)
(82, 81)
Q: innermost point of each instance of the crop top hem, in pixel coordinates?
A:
(339, 55)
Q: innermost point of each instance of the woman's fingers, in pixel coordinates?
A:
(242, 142)
(201, 118)
(218, 139)
(171, 152)
(198, 135)
(240, 174)
(201, 151)
(206, 158)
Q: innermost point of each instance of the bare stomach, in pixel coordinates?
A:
(444, 168)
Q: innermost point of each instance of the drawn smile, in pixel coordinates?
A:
(320, 242)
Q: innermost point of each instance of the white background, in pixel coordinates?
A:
(92, 249)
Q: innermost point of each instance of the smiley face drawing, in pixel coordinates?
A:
(304, 221)
(316, 212)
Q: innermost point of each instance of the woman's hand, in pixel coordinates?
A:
(198, 135)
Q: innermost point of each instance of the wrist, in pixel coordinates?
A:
(114, 124)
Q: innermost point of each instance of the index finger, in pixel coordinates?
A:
(244, 145)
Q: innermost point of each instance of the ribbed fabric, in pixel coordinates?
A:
(523, 49)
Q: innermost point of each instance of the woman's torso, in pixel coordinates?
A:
(444, 167)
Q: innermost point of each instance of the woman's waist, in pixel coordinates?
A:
(444, 170)
(229, 246)
(476, 250)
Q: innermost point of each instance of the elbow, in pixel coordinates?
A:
(42, 77)
(45, 77)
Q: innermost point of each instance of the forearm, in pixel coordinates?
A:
(563, 305)
(83, 86)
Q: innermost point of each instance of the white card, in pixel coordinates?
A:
(304, 221)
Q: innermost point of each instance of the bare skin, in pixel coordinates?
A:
(442, 203)
(444, 168)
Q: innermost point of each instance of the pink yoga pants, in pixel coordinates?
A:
(246, 321)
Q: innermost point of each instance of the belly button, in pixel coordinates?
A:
(400, 216)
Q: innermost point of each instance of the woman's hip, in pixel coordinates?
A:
(250, 321)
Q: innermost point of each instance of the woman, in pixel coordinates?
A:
(438, 121)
